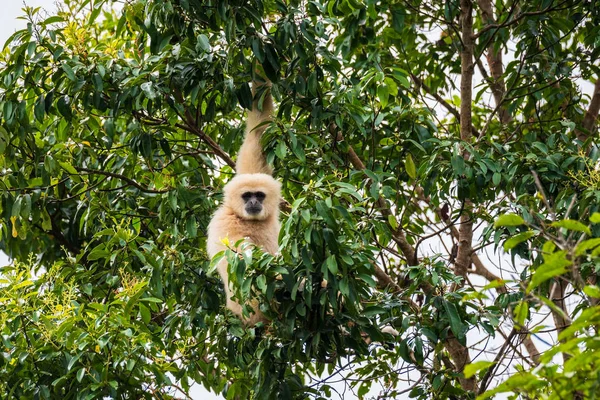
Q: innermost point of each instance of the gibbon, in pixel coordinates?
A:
(250, 208)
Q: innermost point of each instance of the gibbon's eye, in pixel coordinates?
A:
(260, 196)
(246, 196)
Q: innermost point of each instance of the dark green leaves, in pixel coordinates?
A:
(64, 107)
(244, 95)
(203, 44)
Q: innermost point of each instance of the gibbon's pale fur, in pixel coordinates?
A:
(232, 220)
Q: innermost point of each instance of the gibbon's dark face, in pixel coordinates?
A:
(253, 202)
(253, 196)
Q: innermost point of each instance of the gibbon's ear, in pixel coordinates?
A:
(251, 159)
(252, 183)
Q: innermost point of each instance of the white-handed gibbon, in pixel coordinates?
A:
(250, 208)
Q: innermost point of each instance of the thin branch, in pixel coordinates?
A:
(451, 109)
(542, 192)
(497, 361)
(397, 234)
(192, 127)
(591, 116)
(494, 59)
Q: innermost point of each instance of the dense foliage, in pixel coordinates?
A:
(120, 123)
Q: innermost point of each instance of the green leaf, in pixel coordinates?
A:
(473, 368)
(64, 107)
(496, 178)
(40, 109)
(383, 94)
(191, 227)
(592, 291)
(555, 264)
(456, 325)
(595, 218)
(52, 20)
(69, 71)
(409, 164)
(261, 283)
(149, 91)
(392, 221)
(313, 85)
(281, 150)
(521, 313)
(203, 44)
(509, 220)
(332, 264)
(371, 311)
(68, 167)
(515, 240)
(244, 95)
(586, 246)
(257, 49)
(98, 252)
(572, 225)
(79, 375)
(144, 313)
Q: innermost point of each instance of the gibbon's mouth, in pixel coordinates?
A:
(254, 213)
(253, 210)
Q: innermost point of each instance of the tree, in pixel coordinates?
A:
(120, 123)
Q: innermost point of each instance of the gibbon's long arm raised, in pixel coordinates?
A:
(250, 208)
(251, 159)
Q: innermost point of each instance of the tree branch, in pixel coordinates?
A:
(460, 353)
(481, 270)
(451, 109)
(494, 59)
(463, 257)
(497, 360)
(397, 234)
(520, 17)
(192, 127)
(591, 116)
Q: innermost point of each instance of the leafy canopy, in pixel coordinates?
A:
(120, 123)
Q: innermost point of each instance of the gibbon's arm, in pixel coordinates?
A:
(251, 159)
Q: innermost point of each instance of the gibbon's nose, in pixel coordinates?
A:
(253, 206)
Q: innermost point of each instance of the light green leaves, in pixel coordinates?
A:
(509, 220)
(383, 94)
(521, 313)
(519, 238)
(554, 265)
(410, 167)
(471, 369)
(572, 225)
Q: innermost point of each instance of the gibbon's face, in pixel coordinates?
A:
(253, 202)
(253, 196)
